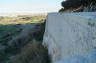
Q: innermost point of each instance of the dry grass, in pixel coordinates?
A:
(33, 52)
(4, 20)
(21, 48)
(28, 33)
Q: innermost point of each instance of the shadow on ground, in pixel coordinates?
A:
(22, 43)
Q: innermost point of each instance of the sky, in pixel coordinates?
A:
(29, 6)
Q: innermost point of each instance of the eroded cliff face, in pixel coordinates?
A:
(69, 34)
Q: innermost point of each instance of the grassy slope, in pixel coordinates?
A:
(17, 35)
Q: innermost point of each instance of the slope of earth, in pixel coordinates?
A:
(21, 38)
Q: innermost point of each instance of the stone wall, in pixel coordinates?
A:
(69, 34)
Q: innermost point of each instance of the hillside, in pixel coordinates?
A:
(21, 39)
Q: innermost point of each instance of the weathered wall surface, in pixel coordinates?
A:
(69, 34)
(89, 57)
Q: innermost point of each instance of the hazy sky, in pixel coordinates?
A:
(29, 6)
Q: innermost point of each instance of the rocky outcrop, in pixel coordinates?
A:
(69, 34)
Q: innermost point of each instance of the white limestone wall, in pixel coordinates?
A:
(89, 57)
(69, 34)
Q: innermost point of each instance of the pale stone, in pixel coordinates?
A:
(69, 34)
(90, 57)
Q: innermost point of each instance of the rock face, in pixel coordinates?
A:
(69, 34)
(90, 57)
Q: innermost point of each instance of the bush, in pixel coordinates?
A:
(33, 52)
(75, 4)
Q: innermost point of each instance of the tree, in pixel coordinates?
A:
(73, 4)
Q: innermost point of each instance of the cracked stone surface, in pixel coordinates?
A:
(70, 34)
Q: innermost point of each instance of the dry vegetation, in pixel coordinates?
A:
(21, 40)
(33, 52)
(21, 19)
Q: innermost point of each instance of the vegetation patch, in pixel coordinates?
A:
(22, 38)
